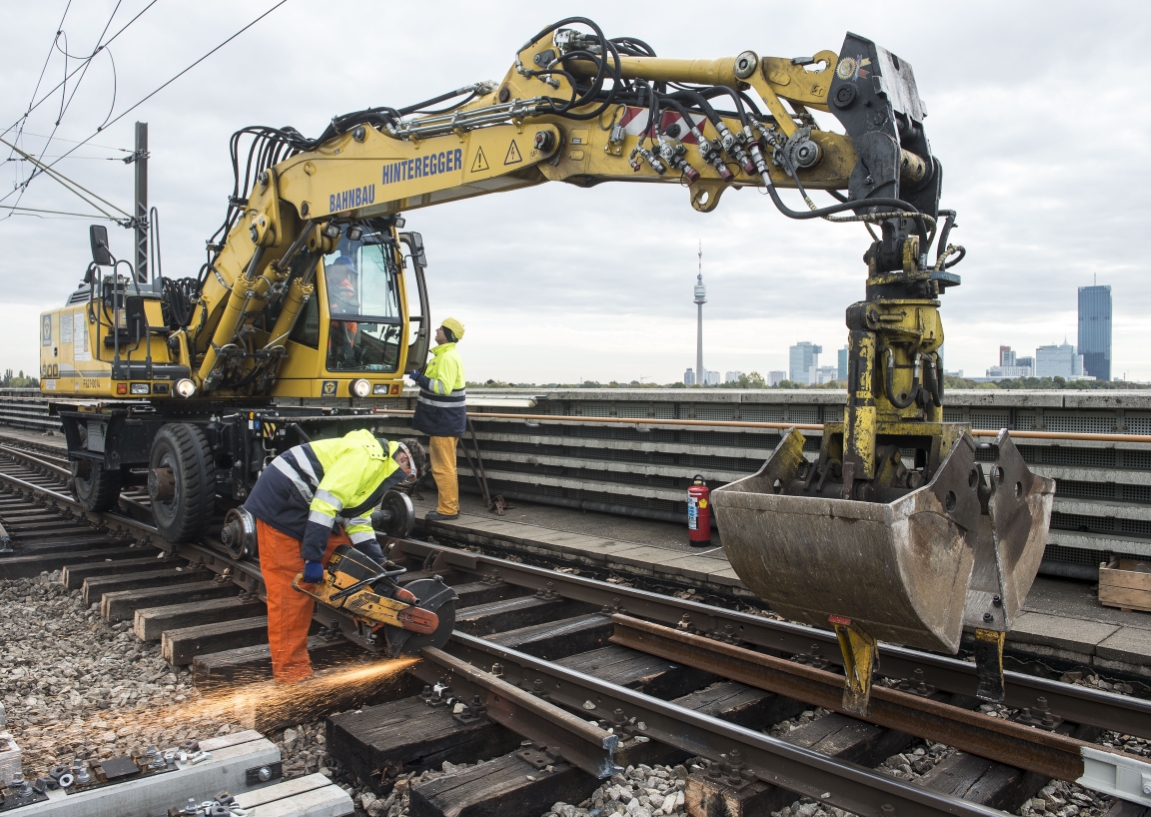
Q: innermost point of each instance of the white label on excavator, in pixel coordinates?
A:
(80, 353)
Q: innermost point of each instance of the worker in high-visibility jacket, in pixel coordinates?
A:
(442, 415)
(310, 500)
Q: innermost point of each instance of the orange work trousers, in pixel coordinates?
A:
(289, 610)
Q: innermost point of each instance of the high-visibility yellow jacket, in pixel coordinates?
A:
(440, 409)
(308, 489)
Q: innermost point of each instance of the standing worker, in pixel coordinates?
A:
(442, 415)
(301, 501)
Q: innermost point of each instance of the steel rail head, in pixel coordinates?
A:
(807, 773)
(38, 461)
(1106, 710)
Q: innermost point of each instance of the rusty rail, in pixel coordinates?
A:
(803, 771)
(1028, 748)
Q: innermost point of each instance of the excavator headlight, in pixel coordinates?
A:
(185, 388)
(361, 388)
(332, 230)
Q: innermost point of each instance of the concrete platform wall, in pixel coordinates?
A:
(1103, 494)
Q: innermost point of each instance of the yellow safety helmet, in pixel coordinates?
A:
(456, 328)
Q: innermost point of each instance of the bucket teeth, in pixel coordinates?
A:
(860, 659)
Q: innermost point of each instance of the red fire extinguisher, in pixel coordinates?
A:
(698, 513)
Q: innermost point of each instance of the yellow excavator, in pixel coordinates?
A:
(307, 311)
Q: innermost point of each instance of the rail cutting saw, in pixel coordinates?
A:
(419, 614)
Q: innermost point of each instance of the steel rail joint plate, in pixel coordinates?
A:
(802, 771)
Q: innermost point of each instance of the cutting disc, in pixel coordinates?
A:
(436, 597)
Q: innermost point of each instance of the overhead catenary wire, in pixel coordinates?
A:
(49, 94)
(169, 81)
(69, 184)
(65, 104)
(155, 91)
(34, 210)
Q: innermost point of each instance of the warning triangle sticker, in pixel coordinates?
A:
(513, 156)
(480, 162)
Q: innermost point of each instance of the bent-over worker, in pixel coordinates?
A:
(310, 500)
(442, 415)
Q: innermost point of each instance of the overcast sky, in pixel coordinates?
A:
(1038, 112)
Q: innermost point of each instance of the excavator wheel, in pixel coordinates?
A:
(181, 482)
(97, 488)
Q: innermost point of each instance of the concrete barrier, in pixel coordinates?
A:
(1103, 493)
(610, 459)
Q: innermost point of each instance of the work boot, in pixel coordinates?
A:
(436, 516)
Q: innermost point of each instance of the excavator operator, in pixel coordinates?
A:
(309, 501)
(343, 299)
(441, 413)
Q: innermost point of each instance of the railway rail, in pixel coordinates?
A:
(595, 674)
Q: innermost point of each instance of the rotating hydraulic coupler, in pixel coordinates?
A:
(673, 153)
(733, 146)
(712, 153)
(641, 154)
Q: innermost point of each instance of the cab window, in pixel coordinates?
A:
(363, 305)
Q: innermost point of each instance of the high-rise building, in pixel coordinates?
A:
(825, 374)
(711, 378)
(1095, 330)
(1006, 356)
(689, 377)
(841, 369)
(1058, 361)
(732, 377)
(774, 378)
(803, 363)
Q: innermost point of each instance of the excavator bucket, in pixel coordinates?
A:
(961, 550)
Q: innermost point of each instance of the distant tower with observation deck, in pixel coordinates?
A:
(700, 300)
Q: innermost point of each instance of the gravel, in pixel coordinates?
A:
(75, 686)
(637, 791)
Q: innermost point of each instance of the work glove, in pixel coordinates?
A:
(414, 374)
(313, 572)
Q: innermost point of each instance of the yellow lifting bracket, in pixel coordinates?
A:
(860, 658)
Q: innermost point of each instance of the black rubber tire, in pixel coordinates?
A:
(183, 448)
(96, 488)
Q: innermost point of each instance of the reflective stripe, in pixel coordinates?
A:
(362, 536)
(285, 468)
(439, 403)
(304, 464)
(330, 498)
(360, 520)
(458, 394)
(321, 518)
